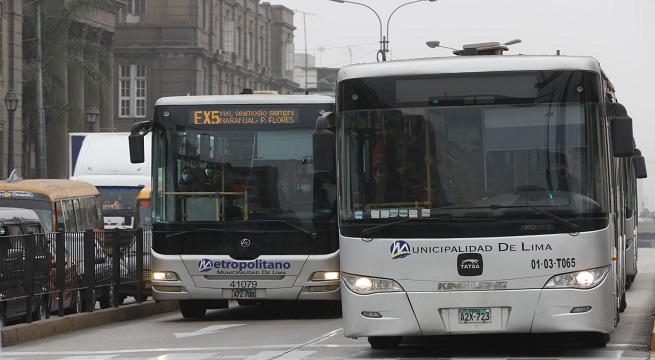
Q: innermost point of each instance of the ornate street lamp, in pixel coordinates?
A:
(11, 102)
(92, 115)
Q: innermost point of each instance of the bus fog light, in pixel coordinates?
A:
(322, 288)
(369, 285)
(167, 288)
(164, 276)
(325, 276)
(580, 309)
(584, 279)
(371, 314)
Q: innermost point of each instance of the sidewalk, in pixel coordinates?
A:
(16, 334)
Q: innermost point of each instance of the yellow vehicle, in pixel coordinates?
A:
(142, 209)
(70, 205)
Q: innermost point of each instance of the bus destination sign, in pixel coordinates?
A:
(244, 117)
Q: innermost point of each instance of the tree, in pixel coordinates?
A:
(63, 34)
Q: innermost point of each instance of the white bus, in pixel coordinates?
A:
(480, 195)
(102, 159)
(635, 169)
(238, 210)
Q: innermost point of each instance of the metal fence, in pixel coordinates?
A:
(73, 271)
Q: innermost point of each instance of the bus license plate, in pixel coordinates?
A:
(478, 316)
(243, 293)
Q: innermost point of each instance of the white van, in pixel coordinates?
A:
(103, 160)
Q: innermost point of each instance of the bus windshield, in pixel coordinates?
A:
(498, 154)
(242, 171)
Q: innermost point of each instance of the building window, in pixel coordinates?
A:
(288, 61)
(134, 12)
(228, 36)
(132, 91)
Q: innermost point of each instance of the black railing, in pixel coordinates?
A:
(72, 271)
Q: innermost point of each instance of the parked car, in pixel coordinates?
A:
(129, 284)
(73, 294)
(15, 226)
(103, 269)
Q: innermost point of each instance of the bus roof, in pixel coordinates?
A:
(248, 99)
(469, 64)
(54, 188)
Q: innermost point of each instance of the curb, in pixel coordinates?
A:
(20, 333)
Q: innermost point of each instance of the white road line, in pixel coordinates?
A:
(280, 355)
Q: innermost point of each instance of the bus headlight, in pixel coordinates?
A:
(584, 279)
(365, 285)
(325, 276)
(164, 276)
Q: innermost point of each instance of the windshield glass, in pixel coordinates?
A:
(492, 156)
(241, 173)
(117, 200)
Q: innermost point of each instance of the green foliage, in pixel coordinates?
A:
(63, 38)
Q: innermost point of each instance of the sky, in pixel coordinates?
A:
(620, 34)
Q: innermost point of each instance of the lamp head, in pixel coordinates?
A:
(432, 44)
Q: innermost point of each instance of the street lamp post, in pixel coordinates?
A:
(11, 102)
(92, 115)
(384, 40)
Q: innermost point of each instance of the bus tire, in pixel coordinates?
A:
(192, 309)
(384, 342)
(624, 304)
(593, 340)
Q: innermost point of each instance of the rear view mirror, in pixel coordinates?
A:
(639, 163)
(137, 154)
(621, 127)
(324, 144)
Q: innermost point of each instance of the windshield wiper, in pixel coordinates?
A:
(558, 219)
(442, 218)
(311, 234)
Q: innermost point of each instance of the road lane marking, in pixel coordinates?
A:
(206, 331)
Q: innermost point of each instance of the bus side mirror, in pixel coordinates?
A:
(137, 154)
(621, 128)
(639, 163)
(324, 144)
(136, 141)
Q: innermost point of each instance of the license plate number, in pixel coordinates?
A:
(479, 316)
(243, 293)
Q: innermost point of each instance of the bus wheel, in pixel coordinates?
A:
(192, 309)
(593, 340)
(384, 342)
(624, 303)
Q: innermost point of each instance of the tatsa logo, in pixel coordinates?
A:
(399, 249)
(205, 265)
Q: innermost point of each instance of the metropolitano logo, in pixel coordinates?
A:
(399, 249)
(205, 265)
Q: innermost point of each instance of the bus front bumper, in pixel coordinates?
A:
(510, 311)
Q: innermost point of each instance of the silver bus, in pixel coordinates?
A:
(480, 195)
(238, 212)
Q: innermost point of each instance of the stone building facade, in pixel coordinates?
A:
(160, 48)
(198, 47)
